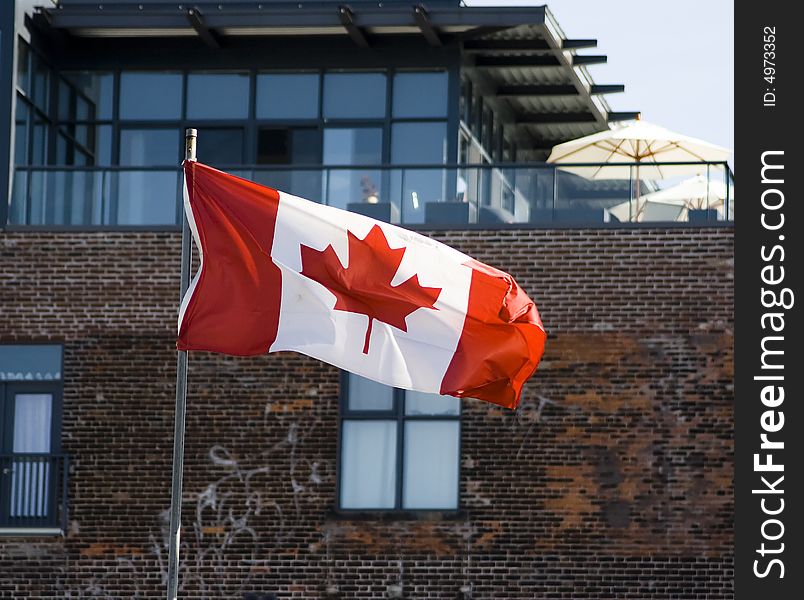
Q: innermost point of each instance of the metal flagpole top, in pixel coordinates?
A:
(190, 139)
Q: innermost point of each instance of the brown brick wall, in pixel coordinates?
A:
(612, 480)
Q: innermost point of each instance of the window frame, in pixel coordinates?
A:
(397, 414)
(9, 388)
(60, 132)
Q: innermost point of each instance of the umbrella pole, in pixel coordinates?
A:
(637, 186)
(638, 194)
(630, 194)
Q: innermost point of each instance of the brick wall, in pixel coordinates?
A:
(613, 479)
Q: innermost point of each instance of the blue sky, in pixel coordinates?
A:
(676, 58)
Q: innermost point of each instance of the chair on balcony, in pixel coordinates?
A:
(493, 215)
(447, 213)
(702, 215)
(381, 211)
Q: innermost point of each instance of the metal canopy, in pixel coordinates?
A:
(160, 18)
(517, 58)
(534, 72)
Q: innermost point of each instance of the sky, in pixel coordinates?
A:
(676, 58)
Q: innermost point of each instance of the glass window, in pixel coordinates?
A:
(354, 95)
(21, 127)
(274, 146)
(217, 95)
(23, 67)
(32, 414)
(430, 477)
(368, 464)
(220, 146)
(31, 434)
(86, 95)
(305, 146)
(420, 95)
(84, 145)
(149, 147)
(419, 403)
(39, 141)
(147, 197)
(427, 457)
(30, 362)
(418, 143)
(287, 96)
(353, 146)
(288, 145)
(365, 394)
(103, 146)
(487, 129)
(41, 84)
(150, 96)
(465, 101)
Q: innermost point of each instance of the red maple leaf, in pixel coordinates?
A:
(365, 286)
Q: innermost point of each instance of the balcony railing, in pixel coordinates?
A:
(444, 195)
(33, 491)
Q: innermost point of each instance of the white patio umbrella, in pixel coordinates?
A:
(672, 203)
(648, 211)
(697, 192)
(637, 142)
(634, 150)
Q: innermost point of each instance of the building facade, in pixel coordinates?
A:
(612, 480)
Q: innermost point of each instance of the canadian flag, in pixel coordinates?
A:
(282, 273)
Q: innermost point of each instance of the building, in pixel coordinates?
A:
(613, 479)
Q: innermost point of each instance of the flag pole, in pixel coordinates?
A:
(181, 399)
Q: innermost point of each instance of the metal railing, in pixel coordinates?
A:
(33, 490)
(588, 194)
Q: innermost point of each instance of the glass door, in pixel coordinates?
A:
(27, 474)
(359, 146)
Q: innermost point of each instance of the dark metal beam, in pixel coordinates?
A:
(552, 118)
(597, 88)
(555, 90)
(423, 21)
(476, 32)
(517, 61)
(573, 117)
(533, 45)
(624, 115)
(346, 17)
(534, 60)
(576, 44)
(537, 90)
(490, 45)
(591, 59)
(196, 20)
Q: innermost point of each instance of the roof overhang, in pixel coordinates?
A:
(518, 58)
(534, 76)
(230, 18)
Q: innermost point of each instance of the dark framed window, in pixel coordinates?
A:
(291, 96)
(355, 95)
(85, 113)
(32, 468)
(290, 123)
(399, 450)
(33, 120)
